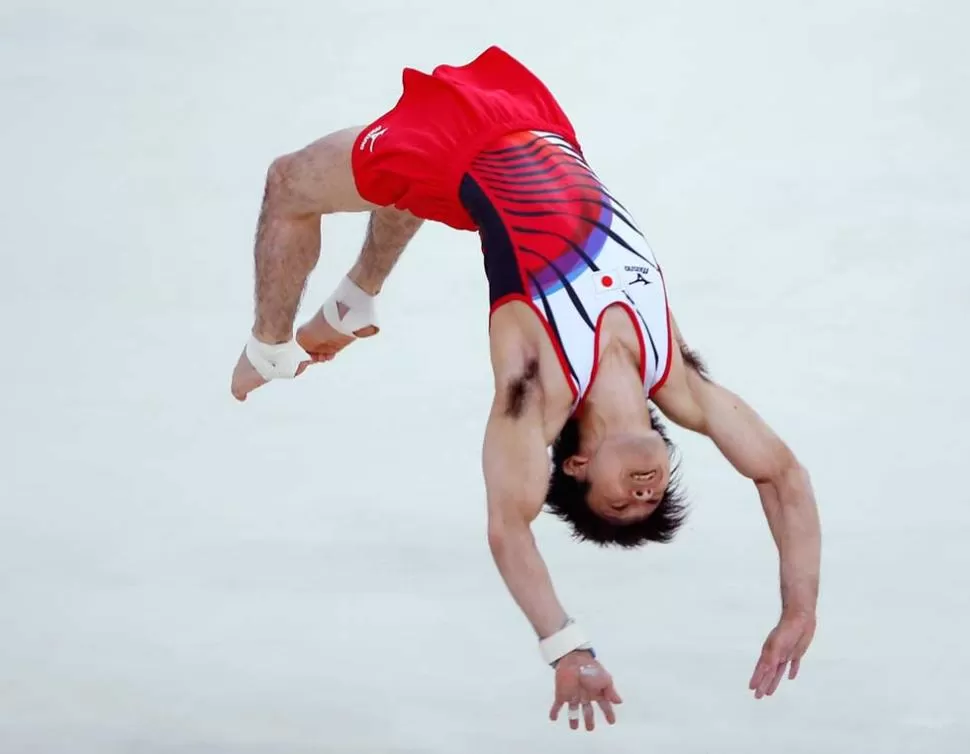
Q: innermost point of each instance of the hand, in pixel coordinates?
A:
(245, 378)
(322, 341)
(580, 681)
(787, 643)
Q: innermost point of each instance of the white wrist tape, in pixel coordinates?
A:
(349, 309)
(568, 639)
(275, 361)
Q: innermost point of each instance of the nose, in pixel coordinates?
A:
(644, 484)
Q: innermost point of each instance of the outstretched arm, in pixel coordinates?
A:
(783, 484)
(789, 505)
(516, 474)
(752, 447)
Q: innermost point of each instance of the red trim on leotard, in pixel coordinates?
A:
(636, 327)
(670, 342)
(563, 363)
(596, 348)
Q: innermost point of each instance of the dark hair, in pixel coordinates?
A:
(566, 498)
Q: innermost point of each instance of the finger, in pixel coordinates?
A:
(611, 695)
(771, 681)
(574, 715)
(776, 681)
(608, 712)
(583, 706)
(767, 673)
(556, 706)
(762, 669)
(768, 663)
(588, 717)
(793, 671)
(764, 672)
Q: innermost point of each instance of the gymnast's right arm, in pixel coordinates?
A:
(516, 474)
(516, 469)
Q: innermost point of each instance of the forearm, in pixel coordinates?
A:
(792, 514)
(526, 576)
(388, 233)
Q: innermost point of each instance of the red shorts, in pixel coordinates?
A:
(415, 156)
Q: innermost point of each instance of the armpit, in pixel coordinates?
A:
(521, 389)
(692, 360)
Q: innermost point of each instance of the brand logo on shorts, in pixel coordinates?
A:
(371, 136)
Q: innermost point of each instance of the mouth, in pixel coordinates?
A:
(643, 476)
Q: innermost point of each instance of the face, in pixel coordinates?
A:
(627, 475)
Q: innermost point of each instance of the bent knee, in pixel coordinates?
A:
(316, 179)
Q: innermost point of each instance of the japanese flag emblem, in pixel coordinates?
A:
(607, 281)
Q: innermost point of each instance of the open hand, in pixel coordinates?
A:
(782, 650)
(581, 681)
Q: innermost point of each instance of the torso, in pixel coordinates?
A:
(565, 263)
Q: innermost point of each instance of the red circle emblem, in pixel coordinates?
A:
(607, 281)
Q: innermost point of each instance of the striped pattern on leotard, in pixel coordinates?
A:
(554, 236)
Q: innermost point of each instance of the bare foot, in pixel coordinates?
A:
(323, 342)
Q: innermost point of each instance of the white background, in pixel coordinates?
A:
(308, 572)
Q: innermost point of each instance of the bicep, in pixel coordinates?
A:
(516, 467)
(742, 436)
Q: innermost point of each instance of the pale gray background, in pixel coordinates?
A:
(308, 572)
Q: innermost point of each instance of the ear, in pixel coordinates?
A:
(575, 466)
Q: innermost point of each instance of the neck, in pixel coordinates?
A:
(615, 403)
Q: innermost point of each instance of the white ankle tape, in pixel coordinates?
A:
(275, 361)
(349, 309)
(568, 639)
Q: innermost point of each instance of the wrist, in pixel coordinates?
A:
(583, 655)
(568, 639)
(798, 612)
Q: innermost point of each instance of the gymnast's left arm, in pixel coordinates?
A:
(788, 501)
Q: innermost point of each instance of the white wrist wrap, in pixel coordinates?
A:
(568, 639)
(349, 309)
(275, 361)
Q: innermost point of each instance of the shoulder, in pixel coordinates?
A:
(681, 398)
(529, 378)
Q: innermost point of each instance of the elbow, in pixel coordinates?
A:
(791, 477)
(504, 535)
(796, 474)
(498, 537)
